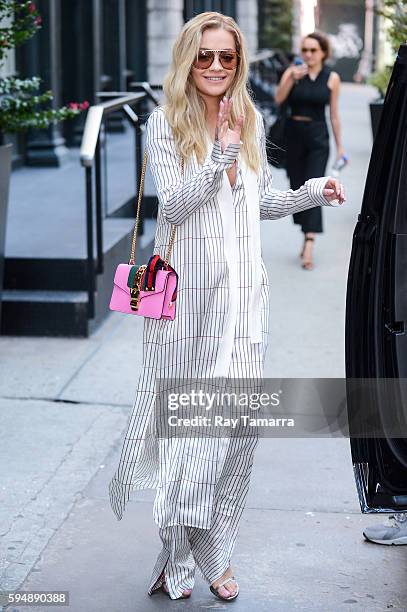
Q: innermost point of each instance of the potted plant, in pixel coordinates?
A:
(395, 13)
(22, 105)
(379, 79)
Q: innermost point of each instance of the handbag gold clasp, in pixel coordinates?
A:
(135, 290)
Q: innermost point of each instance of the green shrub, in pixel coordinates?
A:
(395, 12)
(21, 104)
(275, 18)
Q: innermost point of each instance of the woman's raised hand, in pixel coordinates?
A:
(334, 190)
(224, 132)
(299, 72)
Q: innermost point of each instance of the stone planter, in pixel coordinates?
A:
(376, 108)
(5, 170)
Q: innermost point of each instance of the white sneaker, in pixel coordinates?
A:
(394, 532)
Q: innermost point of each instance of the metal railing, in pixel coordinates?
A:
(90, 157)
(266, 68)
(147, 88)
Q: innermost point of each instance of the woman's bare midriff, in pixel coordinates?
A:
(301, 118)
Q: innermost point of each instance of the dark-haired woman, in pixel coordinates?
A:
(307, 89)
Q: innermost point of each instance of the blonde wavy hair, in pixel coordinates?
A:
(185, 109)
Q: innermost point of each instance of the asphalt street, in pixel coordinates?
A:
(64, 406)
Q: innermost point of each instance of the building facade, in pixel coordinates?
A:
(357, 34)
(89, 46)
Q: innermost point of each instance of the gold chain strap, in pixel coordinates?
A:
(172, 236)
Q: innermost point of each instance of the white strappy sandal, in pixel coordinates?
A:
(216, 592)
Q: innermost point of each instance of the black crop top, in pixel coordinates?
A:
(308, 98)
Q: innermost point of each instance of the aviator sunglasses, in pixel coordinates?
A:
(309, 49)
(205, 58)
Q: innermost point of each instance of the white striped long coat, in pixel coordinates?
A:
(221, 323)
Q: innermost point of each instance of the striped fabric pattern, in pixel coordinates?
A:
(187, 549)
(187, 347)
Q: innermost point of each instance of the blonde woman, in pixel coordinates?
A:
(216, 201)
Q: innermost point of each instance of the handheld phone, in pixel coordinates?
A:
(298, 61)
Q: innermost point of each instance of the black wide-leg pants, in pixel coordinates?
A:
(307, 156)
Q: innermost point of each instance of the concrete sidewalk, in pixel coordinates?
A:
(64, 409)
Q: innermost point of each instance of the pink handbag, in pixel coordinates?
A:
(147, 290)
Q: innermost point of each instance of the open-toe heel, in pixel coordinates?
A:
(215, 591)
(308, 263)
(164, 589)
(185, 594)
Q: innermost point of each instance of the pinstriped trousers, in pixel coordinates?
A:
(185, 549)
